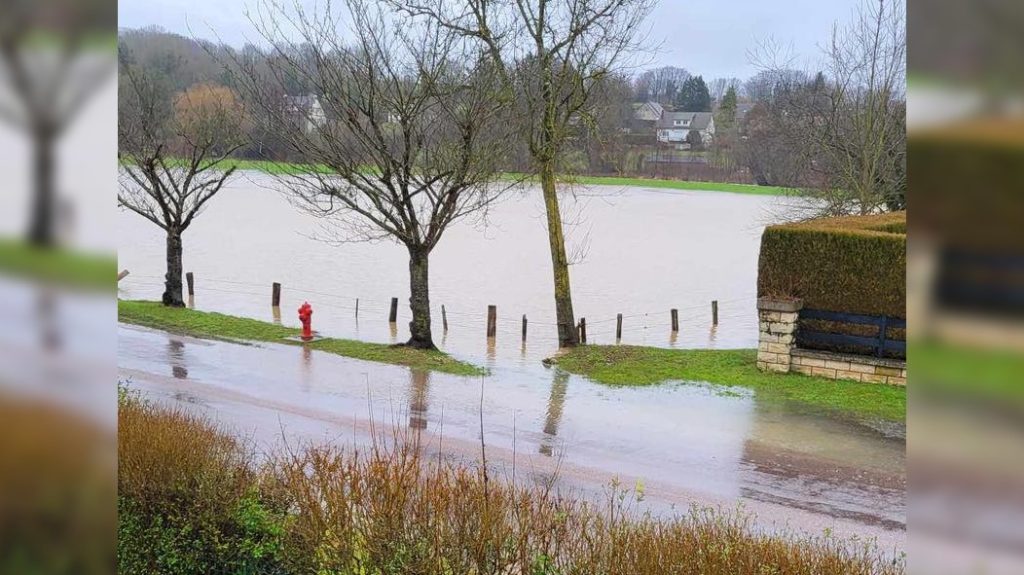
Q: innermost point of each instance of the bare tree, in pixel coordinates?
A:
(51, 61)
(172, 150)
(719, 86)
(851, 119)
(660, 84)
(415, 127)
(863, 133)
(551, 54)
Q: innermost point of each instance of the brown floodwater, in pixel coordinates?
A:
(639, 252)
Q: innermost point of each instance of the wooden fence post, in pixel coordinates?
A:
(583, 330)
(675, 320)
(393, 316)
(618, 328)
(357, 308)
(190, 279)
(524, 327)
(444, 318)
(275, 295)
(714, 312)
(492, 320)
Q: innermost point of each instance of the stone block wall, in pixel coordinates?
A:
(846, 366)
(777, 351)
(777, 320)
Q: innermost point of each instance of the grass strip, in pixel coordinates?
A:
(285, 168)
(215, 325)
(624, 365)
(58, 266)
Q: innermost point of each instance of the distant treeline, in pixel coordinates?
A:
(762, 135)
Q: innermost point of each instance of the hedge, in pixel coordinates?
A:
(968, 181)
(851, 264)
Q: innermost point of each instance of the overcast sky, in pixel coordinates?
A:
(709, 37)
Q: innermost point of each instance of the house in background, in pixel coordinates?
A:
(307, 110)
(643, 118)
(648, 111)
(674, 128)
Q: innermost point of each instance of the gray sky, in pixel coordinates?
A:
(709, 37)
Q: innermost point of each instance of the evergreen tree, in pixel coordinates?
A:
(694, 96)
(727, 111)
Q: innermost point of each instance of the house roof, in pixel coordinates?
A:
(654, 107)
(698, 120)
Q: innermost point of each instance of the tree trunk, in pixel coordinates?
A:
(172, 280)
(40, 231)
(419, 300)
(567, 336)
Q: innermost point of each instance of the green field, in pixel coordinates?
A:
(283, 168)
(220, 326)
(57, 266)
(624, 365)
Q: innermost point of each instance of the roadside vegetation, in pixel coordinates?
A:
(193, 499)
(58, 266)
(219, 326)
(627, 365)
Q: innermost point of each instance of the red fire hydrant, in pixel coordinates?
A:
(306, 317)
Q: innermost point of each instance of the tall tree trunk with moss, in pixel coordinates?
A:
(419, 299)
(172, 280)
(40, 232)
(567, 336)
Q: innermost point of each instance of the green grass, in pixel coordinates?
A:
(631, 366)
(220, 326)
(683, 185)
(284, 168)
(987, 375)
(58, 266)
(274, 168)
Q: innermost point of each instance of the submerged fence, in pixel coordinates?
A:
(488, 320)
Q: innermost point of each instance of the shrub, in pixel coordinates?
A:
(852, 264)
(56, 488)
(189, 499)
(390, 510)
(968, 189)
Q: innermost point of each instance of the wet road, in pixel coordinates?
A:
(686, 443)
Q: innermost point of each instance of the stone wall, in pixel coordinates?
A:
(847, 366)
(778, 321)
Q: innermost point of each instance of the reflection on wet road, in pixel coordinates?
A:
(685, 442)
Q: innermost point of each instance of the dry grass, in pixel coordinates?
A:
(56, 489)
(387, 510)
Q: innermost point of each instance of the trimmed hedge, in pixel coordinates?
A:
(851, 264)
(968, 182)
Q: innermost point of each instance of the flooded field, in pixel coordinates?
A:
(644, 252)
(640, 252)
